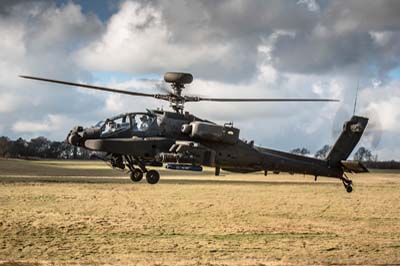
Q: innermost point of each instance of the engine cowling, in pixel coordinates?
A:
(211, 132)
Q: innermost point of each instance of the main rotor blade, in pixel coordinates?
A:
(158, 96)
(198, 99)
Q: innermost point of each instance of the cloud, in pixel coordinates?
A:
(136, 40)
(53, 122)
(312, 5)
(7, 6)
(385, 106)
(223, 36)
(38, 39)
(9, 103)
(348, 35)
(366, 15)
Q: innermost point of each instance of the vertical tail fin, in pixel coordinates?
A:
(348, 139)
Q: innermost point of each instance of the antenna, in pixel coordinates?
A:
(355, 100)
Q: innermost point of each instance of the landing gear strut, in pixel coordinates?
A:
(117, 162)
(217, 170)
(348, 184)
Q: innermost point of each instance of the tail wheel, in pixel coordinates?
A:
(136, 175)
(152, 177)
(348, 184)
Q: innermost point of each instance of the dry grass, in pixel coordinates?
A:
(80, 213)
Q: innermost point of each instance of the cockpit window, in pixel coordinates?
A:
(116, 124)
(135, 122)
(141, 122)
(99, 124)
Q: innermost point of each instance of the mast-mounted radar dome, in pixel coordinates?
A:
(178, 77)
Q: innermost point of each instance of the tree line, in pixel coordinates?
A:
(40, 147)
(362, 154)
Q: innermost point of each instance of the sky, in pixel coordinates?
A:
(236, 48)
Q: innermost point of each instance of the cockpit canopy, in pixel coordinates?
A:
(135, 122)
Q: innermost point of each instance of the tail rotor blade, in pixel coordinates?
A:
(341, 116)
(373, 134)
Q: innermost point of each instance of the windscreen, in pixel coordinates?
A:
(116, 124)
(141, 122)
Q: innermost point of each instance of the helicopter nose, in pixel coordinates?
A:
(91, 133)
(78, 135)
(75, 136)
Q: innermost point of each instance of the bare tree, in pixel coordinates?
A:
(300, 151)
(323, 152)
(363, 154)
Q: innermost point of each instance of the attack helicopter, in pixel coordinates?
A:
(142, 140)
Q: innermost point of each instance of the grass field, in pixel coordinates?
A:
(82, 213)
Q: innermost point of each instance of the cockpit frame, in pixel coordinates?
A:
(127, 124)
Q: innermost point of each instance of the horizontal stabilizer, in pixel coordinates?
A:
(354, 167)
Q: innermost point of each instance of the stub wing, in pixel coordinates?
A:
(146, 148)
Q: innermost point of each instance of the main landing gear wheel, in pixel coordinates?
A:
(152, 177)
(136, 175)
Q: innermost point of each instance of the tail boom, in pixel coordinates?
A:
(335, 165)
